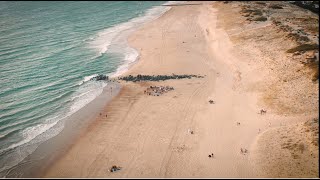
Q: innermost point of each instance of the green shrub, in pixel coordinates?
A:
(261, 18)
(303, 47)
(275, 6)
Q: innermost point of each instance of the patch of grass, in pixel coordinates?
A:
(315, 142)
(261, 18)
(301, 147)
(262, 3)
(303, 47)
(313, 126)
(314, 66)
(275, 6)
(308, 20)
(286, 28)
(298, 37)
(277, 23)
(314, 28)
(315, 76)
(295, 156)
(257, 12)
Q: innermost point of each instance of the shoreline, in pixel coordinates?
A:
(39, 156)
(148, 136)
(35, 164)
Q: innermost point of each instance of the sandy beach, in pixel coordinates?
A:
(244, 65)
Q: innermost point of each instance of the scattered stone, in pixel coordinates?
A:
(211, 102)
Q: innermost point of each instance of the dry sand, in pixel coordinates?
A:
(148, 136)
(284, 84)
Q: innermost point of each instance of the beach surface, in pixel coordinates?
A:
(149, 136)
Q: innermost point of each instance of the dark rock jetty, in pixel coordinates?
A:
(156, 77)
(100, 78)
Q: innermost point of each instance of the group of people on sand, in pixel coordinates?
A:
(114, 168)
(243, 151)
(157, 90)
(262, 111)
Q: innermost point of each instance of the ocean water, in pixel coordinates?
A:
(48, 53)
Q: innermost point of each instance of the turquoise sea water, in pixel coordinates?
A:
(48, 53)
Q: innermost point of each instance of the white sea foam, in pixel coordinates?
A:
(116, 37)
(85, 94)
(30, 133)
(33, 136)
(130, 56)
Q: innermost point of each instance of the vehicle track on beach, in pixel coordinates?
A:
(152, 125)
(127, 121)
(189, 111)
